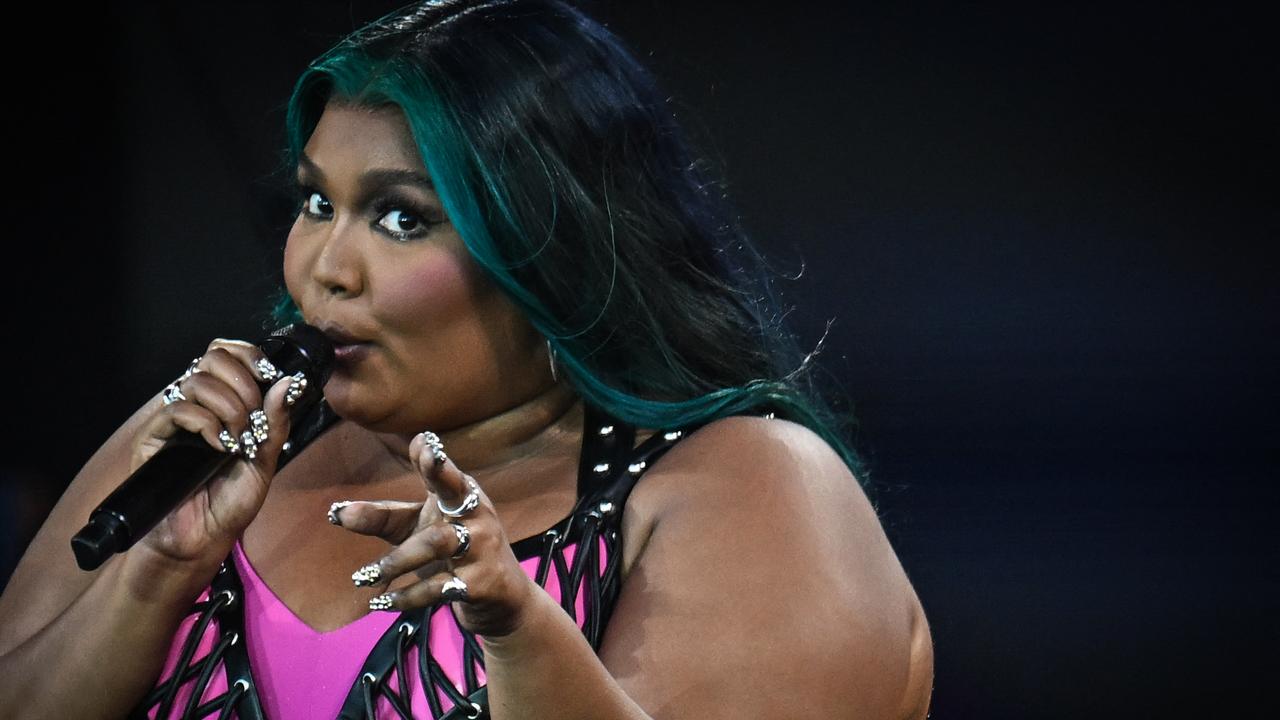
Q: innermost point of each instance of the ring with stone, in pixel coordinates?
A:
(469, 503)
(464, 540)
(453, 589)
(172, 393)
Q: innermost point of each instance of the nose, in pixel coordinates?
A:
(338, 266)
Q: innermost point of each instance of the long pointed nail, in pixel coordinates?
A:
(248, 444)
(333, 512)
(297, 386)
(437, 448)
(268, 371)
(261, 431)
(368, 575)
(229, 442)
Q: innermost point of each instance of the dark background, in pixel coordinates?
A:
(1046, 235)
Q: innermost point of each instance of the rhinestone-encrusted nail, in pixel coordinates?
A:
(258, 420)
(297, 386)
(381, 602)
(437, 448)
(333, 511)
(248, 444)
(267, 370)
(368, 575)
(229, 442)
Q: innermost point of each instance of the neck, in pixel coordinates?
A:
(532, 428)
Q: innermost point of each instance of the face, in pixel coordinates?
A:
(424, 341)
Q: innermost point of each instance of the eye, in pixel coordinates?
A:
(313, 203)
(403, 225)
(402, 219)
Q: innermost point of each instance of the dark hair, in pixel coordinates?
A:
(566, 175)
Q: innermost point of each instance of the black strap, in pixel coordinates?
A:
(609, 467)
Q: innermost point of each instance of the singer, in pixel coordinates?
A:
(570, 463)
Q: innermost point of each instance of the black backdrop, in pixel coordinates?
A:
(1046, 236)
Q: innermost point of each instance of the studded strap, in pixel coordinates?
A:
(609, 467)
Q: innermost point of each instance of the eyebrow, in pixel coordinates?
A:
(376, 179)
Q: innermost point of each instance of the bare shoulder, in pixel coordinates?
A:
(756, 468)
(752, 536)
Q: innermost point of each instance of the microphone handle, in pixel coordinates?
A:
(185, 463)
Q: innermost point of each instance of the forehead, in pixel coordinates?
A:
(363, 136)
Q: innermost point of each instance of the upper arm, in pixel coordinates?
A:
(765, 587)
(47, 579)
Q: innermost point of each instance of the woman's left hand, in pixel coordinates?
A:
(464, 558)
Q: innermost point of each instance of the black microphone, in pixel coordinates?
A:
(187, 461)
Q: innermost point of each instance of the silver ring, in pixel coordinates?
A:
(172, 393)
(454, 589)
(191, 370)
(464, 540)
(469, 503)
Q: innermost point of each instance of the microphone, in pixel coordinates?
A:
(187, 461)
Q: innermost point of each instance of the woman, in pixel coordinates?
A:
(570, 464)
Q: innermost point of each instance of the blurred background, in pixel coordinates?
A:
(1046, 235)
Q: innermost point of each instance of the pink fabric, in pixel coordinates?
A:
(302, 674)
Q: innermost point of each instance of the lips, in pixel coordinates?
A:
(339, 335)
(347, 346)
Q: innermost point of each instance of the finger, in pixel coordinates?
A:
(236, 373)
(390, 520)
(426, 592)
(443, 479)
(187, 416)
(252, 357)
(209, 392)
(435, 544)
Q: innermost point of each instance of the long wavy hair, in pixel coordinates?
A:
(562, 168)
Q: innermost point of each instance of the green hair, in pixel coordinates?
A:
(574, 190)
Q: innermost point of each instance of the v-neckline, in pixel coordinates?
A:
(250, 577)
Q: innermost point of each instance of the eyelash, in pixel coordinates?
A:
(381, 207)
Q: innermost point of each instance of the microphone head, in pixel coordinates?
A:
(301, 348)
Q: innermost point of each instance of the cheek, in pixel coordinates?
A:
(441, 289)
(293, 266)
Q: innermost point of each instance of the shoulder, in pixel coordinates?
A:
(754, 531)
(752, 466)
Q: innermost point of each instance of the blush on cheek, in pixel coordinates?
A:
(443, 286)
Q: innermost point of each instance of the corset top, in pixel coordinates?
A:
(242, 653)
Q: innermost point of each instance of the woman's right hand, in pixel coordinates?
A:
(219, 394)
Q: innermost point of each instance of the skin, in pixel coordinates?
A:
(769, 556)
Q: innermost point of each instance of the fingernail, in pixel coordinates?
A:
(368, 575)
(248, 444)
(333, 511)
(268, 371)
(297, 386)
(437, 448)
(382, 602)
(258, 419)
(229, 442)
